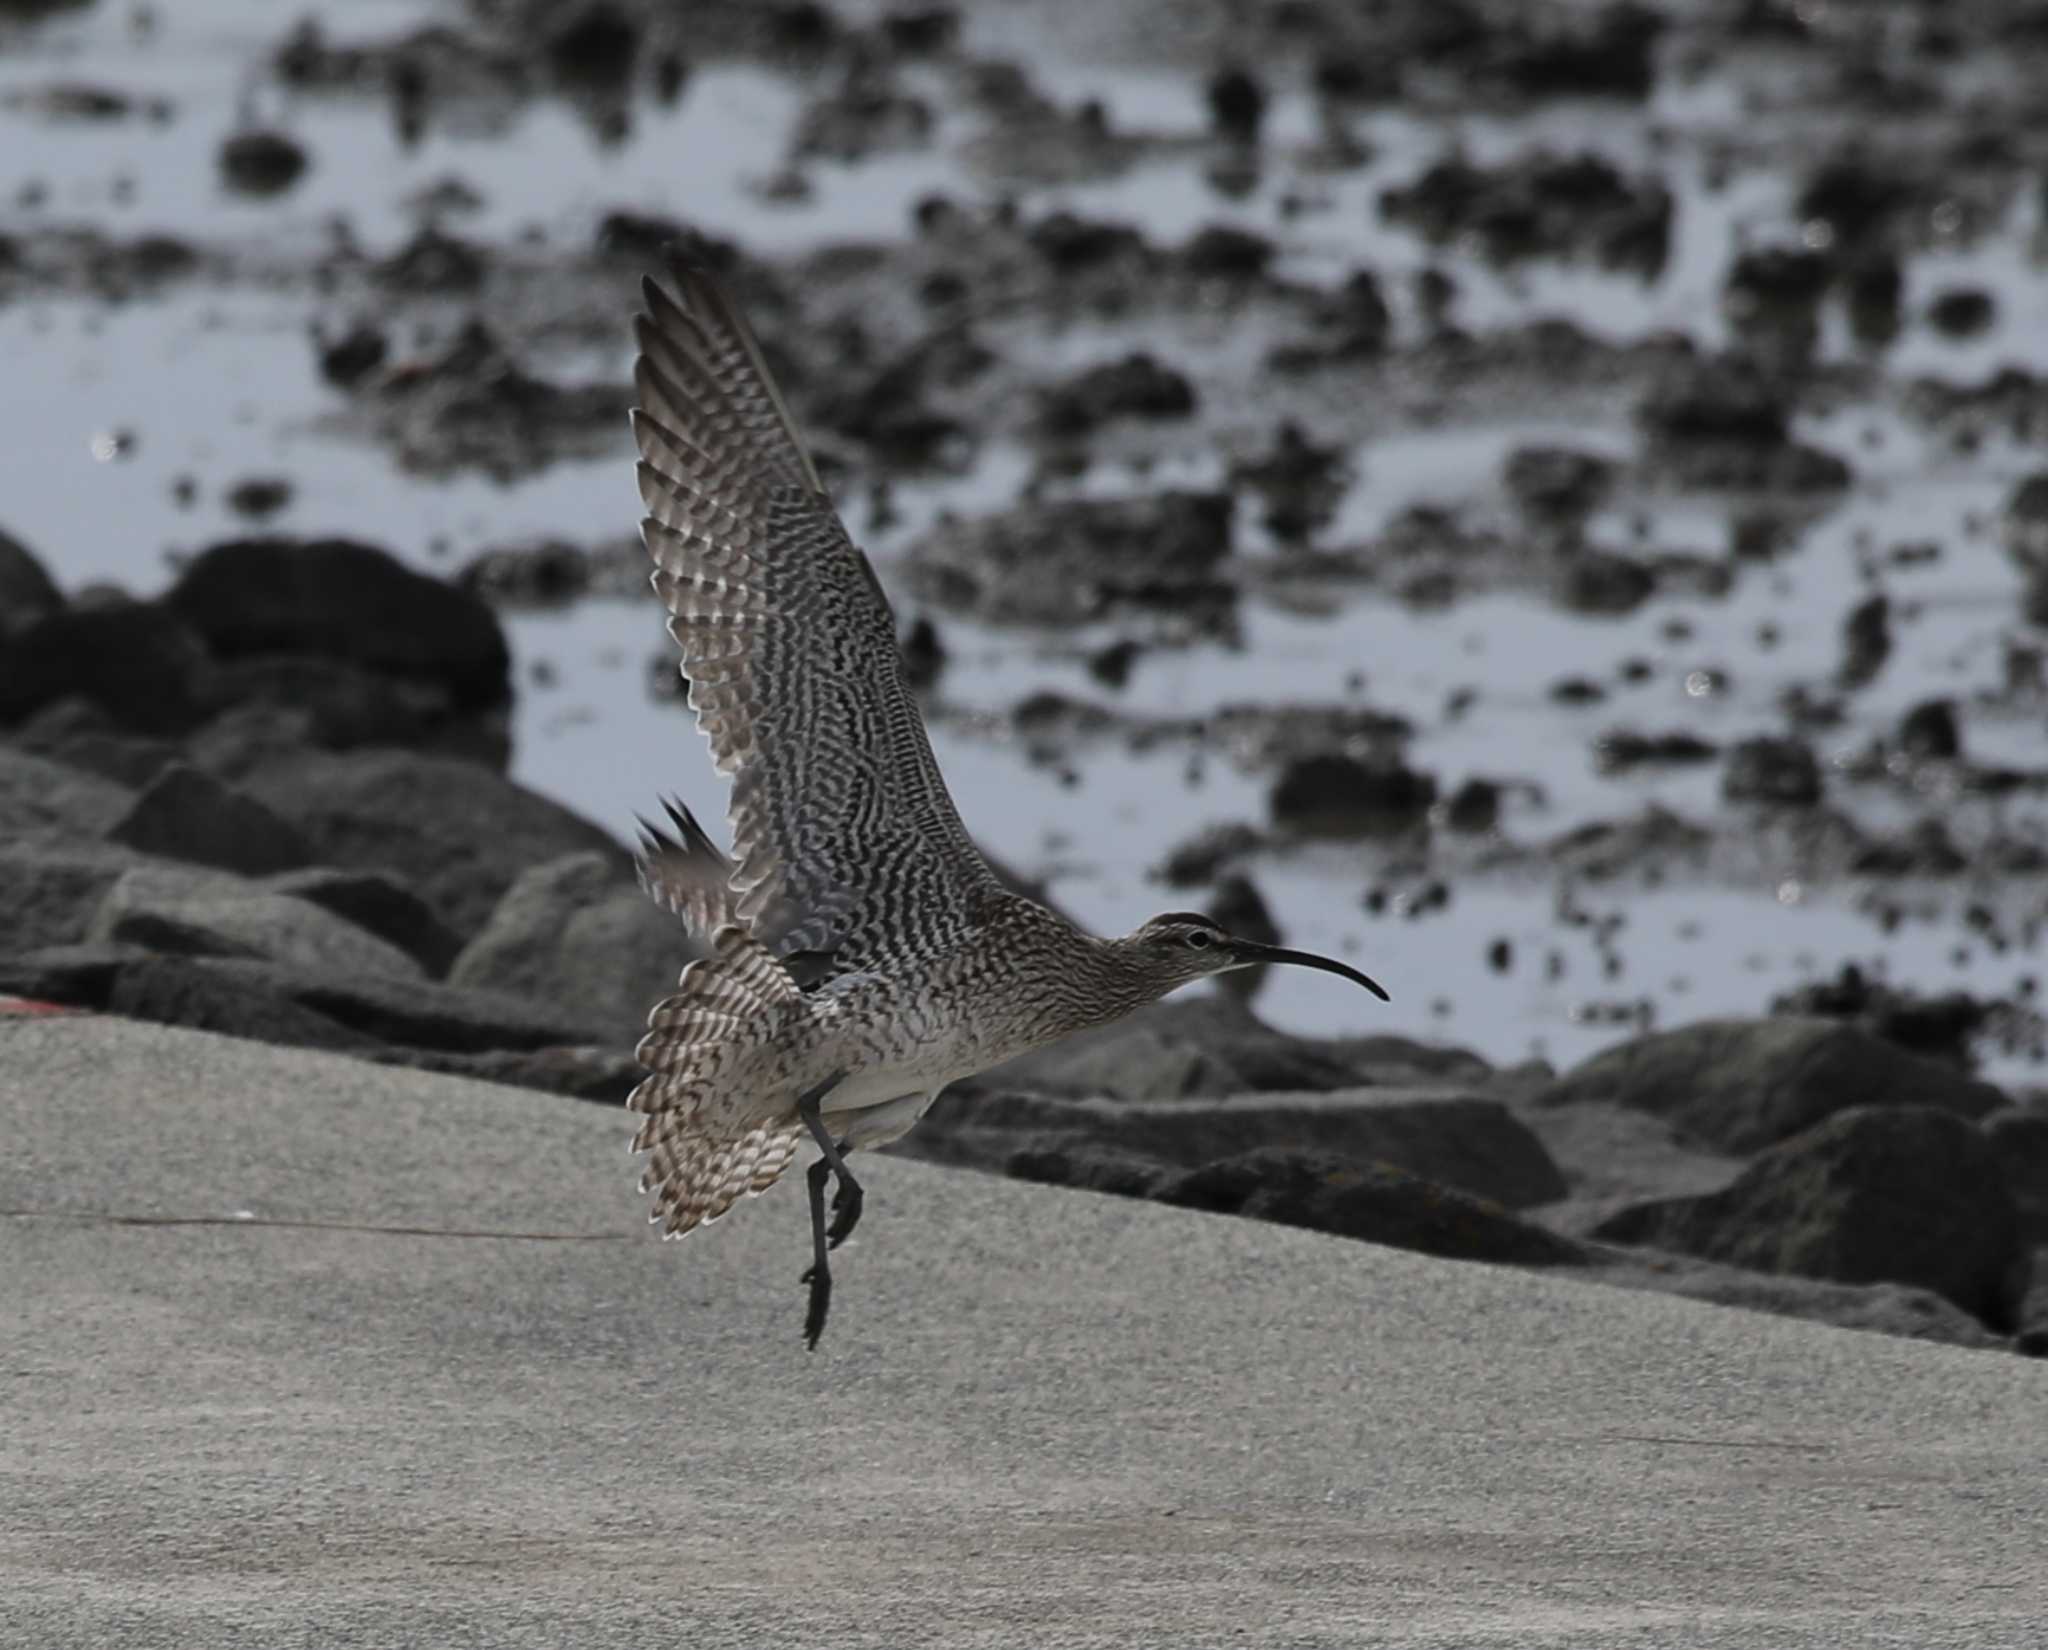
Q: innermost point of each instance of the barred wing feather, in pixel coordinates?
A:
(845, 841)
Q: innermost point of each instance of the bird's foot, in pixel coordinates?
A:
(820, 1280)
(846, 1202)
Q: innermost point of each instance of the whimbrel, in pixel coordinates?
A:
(862, 954)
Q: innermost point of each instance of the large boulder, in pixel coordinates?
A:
(208, 914)
(138, 661)
(50, 891)
(1741, 1085)
(1902, 1193)
(341, 706)
(378, 903)
(42, 800)
(1327, 1192)
(187, 814)
(1472, 1144)
(574, 934)
(459, 833)
(2019, 1140)
(337, 599)
(27, 592)
(279, 1003)
(79, 734)
(1193, 1048)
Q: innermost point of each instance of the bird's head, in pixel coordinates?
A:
(1180, 947)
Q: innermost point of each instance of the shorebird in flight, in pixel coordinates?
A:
(862, 953)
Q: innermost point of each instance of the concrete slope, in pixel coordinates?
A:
(443, 1389)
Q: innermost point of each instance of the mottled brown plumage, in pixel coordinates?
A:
(862, 955)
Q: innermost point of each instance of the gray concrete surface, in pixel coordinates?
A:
(444, 1390)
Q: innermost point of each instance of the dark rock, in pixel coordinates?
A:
(259, 496)
(1924, 849)
(1557, 484)
(1779, 771)
(1195, 1048)
(1874, 1308)
(352, 357)
(473, 407)
(1076, 559)
(138, 661)
(49, 891)
(922, 31)
(27, 593)
(1227, 252)
(460, 833)
(548, 573)
(1340, 796)
(1349, 1197)
(1941, 1027)
(1856, 196)
(280, 701)
(595, 46)
(865, 115)
(261, 162)
(1072, 243)
(1713, 401)
(1302, 482)
(1622, 750)
(241, 997)
(644, 239)
(209, 914)
(1929, 731)
(1237, 904)
(379, 903)
(1719, 423)
(1203, 856)
(40, 798)
(2024, 523)
(189, 815)
(923, 653)
(1237, 105)
(1742, 1085)
(1474, 807)
(1135, 387)
(1874, 294)
(337, 599)
(1903, 1194)
(1962, 312)
(2019, 1141)
(1781, 283)
(1463, 1141)
(1607, 52)
(606, 1075)
(1866, 640)
(578, 935)
(1539, 205)
(434, 262)
(236, 998)
(75, 976)
(1602, 583)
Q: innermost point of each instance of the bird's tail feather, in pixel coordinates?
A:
(708, 1053)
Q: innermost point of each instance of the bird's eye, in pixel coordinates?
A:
(1198, 939)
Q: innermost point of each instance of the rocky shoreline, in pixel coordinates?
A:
(285, 816)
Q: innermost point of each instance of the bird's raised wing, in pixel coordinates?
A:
(845, 841)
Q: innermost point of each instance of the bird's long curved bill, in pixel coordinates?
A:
(1246, 951)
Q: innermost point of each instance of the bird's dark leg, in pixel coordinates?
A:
(819, 1277)
(846, 1203)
